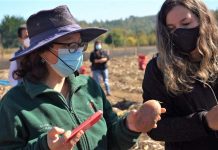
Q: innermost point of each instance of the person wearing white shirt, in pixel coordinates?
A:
(24, 43)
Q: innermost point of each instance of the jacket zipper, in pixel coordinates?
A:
(75, 119)
(83, 140)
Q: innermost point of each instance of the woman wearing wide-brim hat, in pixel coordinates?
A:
(53, 98)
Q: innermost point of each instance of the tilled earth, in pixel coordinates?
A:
(126, 92)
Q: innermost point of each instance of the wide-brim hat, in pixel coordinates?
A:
(48, 25)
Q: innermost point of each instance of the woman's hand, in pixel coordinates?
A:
(144, 119)
(57, 137)
(212, 118)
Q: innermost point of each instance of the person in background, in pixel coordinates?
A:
(99, 68)
(184, 76)
(54, 99)
(24, 43)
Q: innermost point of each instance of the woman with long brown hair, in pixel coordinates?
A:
(184, 74)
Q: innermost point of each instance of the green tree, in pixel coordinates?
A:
(8, 30)
(152, 39)
(216, 14)
(131, 41)
(143, 40)
(118, 37)
(108, 39)
(138, 28)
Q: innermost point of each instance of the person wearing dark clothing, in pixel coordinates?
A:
(184, 124)
(183, 76)
(99, 59)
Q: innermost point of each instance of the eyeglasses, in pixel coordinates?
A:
(74, 46)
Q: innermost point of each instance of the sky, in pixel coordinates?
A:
(88, 10)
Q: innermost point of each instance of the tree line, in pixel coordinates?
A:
(132, 31)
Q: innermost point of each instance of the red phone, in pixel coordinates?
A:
(86, 124)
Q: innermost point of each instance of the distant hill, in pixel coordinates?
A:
(132, 31)
(131, 24)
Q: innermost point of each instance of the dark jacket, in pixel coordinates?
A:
(28, 111)
(183, 127)
(94, 55)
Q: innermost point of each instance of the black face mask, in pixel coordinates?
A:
(185, 40)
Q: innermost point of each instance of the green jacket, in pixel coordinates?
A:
(28, 111)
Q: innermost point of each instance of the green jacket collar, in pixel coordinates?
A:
(35, 89)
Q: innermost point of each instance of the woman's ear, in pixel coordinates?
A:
(49, 56)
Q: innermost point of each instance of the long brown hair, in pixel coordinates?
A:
(179, 72)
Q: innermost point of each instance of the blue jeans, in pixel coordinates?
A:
(97, 74)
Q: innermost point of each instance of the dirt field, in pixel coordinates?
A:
(125, 81)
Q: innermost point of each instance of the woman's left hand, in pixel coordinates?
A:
(144, 119)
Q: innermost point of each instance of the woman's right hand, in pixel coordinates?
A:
(212, 118)
(57, 137)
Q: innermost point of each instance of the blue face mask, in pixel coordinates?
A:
(68, 62)
(98, 47)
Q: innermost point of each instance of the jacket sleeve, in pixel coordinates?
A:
(105, 53)
(119, 136)
(179, 129)
(171, 127)
(13, 134)
(92, 57)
